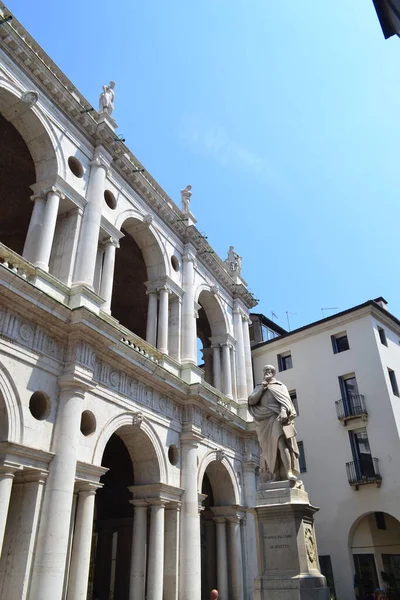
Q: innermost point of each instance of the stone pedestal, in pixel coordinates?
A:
(288, 563)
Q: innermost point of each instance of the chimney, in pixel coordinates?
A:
(381, 302)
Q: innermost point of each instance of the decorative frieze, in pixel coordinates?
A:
(29, 334)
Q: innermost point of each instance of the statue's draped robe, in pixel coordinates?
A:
(265, 404)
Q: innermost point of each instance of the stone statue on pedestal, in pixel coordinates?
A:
(234, 261)
(273, 411)
(106, 100)
(185, 198)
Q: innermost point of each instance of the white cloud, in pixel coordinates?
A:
(212, 140)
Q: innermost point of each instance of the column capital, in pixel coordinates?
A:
(174, 506)
(111, 242)
(139, 503)
(157, 502)
(234, 519)
(220, 519)
(87, 488)
(76, 382)
(54, 190)
(101, 160)
(191, 438)
(38, 196)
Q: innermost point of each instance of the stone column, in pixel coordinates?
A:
(171, 553)
(222, 559)
(247, 353)
(217, 366)
(53, 538)
(107, 276)
(174, 327)
(41, 241)
(240, 356)
(234, 372)
(155, 569)
(190, 571)
(151, 330)
(139, 550)
(163, 321)
(250, 489)
(89, 236)
(236, 561)
(188, 311)
(226, 370)
(6, 481)
(82, 543)
(20, 537)
(35, 226)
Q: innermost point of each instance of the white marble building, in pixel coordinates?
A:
(342, 373)
(126, 469)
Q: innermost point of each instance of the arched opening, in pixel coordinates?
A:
(3, 419)
(131, 460)
(374, 542)
(138, 260)
(17, 174)
(211, 326)
(218, 506)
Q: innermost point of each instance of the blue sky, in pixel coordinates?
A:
(284, 117)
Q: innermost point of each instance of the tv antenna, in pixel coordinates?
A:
(287, 317)
(329, 308)
(273, 315)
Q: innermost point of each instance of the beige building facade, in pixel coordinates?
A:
(342, 373)
(126, 469)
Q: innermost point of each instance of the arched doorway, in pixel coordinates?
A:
(17, 174)
(219, 526)
(375, 547)
(138, 260)
(211, 333)
(26, 156)
(131, 460)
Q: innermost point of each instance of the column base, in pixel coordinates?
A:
(286, 545)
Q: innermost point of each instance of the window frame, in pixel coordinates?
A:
(334, 340)
(294, 399)
(382, 336)
(393, 382)
(302, 458)
(282, 361)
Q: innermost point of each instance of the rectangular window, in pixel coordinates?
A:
(293, 397)
(340, 343)
(350, 394)
(302, 457)
(364, 465)
(382, 336)
(285, 361)
(393, 382)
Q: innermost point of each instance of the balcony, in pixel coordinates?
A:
(363, 471)
(352, 407)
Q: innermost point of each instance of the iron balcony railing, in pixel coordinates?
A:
(364, 470)
(351, 407)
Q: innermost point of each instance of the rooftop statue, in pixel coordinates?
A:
(234, 261)
(106, 100)
(185, 198)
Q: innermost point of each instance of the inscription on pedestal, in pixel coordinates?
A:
(279, 545)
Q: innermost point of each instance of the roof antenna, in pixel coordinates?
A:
(273, 315)
(287, 317)
(329, 308)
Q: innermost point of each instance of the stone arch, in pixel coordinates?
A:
(373, 537)
(214, 310)
(222, 478)
(148, 240)
(35, 129)
(143, 444)
(11, 420)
